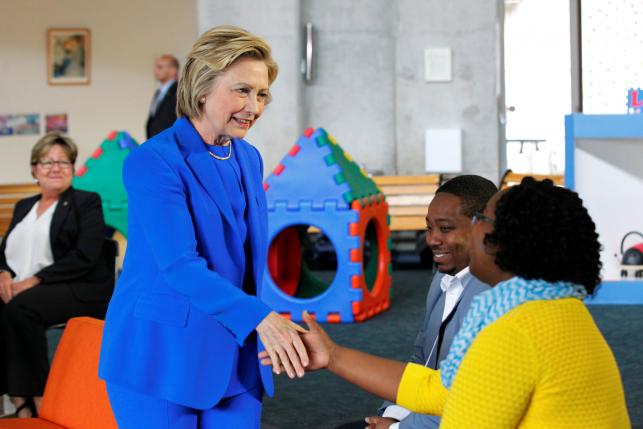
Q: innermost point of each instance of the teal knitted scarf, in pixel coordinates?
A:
(490, 305)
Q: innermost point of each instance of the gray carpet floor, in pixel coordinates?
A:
(322, 401)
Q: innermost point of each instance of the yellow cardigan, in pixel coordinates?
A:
(544, 364)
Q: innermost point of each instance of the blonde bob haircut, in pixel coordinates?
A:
(42, 147)
(210, 56)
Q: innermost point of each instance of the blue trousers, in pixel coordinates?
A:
(134, 410)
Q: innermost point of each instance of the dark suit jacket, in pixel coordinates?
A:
(165, 114)
(76, 233)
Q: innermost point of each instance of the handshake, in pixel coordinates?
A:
(293, 349)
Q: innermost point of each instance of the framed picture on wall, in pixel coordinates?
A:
(68, 56)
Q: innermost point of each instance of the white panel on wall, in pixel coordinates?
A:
(443, 151)
(609, 179)
(612, 49)
(437, 65)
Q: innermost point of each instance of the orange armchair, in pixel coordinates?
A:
(74, 398)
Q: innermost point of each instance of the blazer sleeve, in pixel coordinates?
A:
(159, 202)
(82, 258)
(421, 390)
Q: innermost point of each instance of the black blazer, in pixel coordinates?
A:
(165, 114)
(76, 234)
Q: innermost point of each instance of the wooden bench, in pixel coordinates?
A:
(9, 195)
(408, 198)
(510, 178)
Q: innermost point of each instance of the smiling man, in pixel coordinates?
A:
(449, 226)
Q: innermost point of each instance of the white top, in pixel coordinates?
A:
(28, 245)
(396, 412)
(452, 287)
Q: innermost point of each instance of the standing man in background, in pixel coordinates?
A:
(163, 109)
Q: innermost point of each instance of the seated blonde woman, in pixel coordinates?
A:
(529, 354)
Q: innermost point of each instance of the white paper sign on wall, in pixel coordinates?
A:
(437, 65)
(443, 150)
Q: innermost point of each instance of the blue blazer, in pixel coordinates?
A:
(178, 314)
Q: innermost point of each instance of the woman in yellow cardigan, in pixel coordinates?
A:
(529, 354)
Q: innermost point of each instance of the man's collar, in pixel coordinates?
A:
(462, 277)
(165, 86)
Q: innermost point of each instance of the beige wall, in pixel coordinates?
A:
(126, 37)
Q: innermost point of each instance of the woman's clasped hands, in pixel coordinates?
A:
(9, 288)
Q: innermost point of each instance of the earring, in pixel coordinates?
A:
(202, 100)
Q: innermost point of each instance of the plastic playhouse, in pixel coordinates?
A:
(318, 189)
(101, 173)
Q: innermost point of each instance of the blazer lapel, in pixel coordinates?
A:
(25, 210)
(455, 306)
(433, 327)
(60, 214)
(201, 165)
(199, 161)
(255, 222)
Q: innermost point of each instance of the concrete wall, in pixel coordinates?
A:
(369, 89)
(471, 101)
(126, 37)
(352, 94)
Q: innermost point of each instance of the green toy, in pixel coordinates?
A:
(101, 173)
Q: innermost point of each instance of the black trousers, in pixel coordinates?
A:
(24, 365)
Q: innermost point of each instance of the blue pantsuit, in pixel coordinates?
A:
(180, 327)
(134, 410)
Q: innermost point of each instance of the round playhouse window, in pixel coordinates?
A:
(302, 261)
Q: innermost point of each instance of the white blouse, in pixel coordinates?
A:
(28, 247)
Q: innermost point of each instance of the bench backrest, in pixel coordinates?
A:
(9, 196)
(510, 178)
(408, 198)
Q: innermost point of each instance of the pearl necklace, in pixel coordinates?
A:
(222, 158)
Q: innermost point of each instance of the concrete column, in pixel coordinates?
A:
(353, 91)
